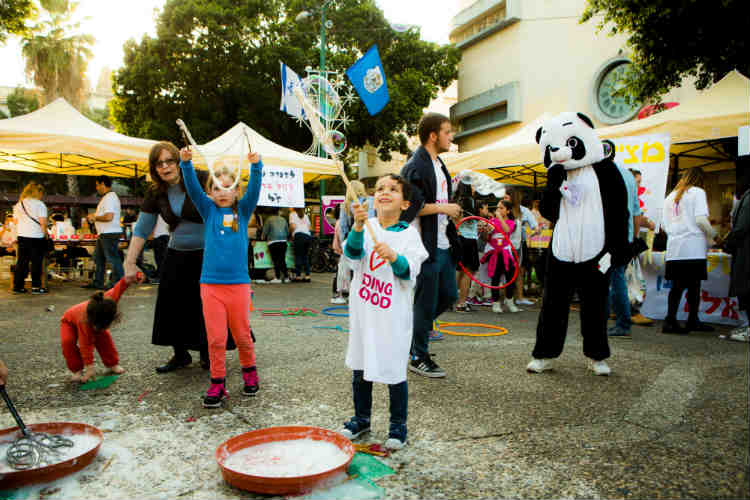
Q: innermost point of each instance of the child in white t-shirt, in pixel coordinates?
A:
(380, 305)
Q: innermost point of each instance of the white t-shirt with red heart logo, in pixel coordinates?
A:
(381, 306)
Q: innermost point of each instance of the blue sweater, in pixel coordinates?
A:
(225, 251)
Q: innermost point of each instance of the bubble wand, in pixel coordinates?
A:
(326, 140)
(191, 142)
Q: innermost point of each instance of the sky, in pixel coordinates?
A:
(112, 23)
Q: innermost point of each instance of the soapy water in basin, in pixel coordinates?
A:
(292, 458)
(82, 443)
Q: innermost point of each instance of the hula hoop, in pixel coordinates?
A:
(513, 248)
(295, 312)
(327, 311)
(499, 329)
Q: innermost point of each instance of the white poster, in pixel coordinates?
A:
(648, 154)
(282, 187)
(715, 305)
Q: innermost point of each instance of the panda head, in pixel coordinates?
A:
(568, 139)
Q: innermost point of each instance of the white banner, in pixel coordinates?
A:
(715, 305)
(648, 154)
(282, 187)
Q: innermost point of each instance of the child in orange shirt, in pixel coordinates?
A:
(85, 327)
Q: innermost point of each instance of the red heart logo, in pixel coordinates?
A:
(374, 266)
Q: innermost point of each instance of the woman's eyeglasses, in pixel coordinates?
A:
(166, 163)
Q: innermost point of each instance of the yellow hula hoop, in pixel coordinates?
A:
(499, 329)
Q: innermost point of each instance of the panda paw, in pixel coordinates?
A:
(556, 175)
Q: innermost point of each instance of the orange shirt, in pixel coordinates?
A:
(76, 317)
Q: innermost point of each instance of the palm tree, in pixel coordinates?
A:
(57, 58)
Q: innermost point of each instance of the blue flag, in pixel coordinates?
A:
(368, 78)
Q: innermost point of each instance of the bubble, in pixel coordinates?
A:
(323, 96)
(334, 143)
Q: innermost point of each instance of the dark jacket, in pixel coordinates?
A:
(420, 173)
(737, 243)
(157, 202)
(614, 202)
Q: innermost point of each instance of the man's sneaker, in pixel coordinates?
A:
(394, 443)
(600, 368)
(525, 302)
(275, 281)
(286, 280)
(740, 336)
(473, 301)
(640, 319)
(511, 306)
(618, 333)
(338, 300)
(19, 291)
(354, 428)
(538, 365)
(497, 307)
(487, 301)
(39, 291)
(436, 335)
(426, 367)
(250, 377)
(216, 394)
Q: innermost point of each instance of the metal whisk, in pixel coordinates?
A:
(33, 449)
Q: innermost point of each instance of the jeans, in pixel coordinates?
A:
(302, 243)
(107, 251)
(436, 293)
(30, 250)
(399, 401)
(618, 298)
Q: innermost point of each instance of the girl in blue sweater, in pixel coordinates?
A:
(225, 283)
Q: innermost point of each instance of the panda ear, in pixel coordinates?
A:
(609, 149)
(538, 134)
(585, 119)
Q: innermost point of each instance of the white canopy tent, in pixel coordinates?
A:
(58, 139)
(696, 128)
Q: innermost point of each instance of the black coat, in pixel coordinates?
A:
(157, 202)
(737, 243)
(420, 173)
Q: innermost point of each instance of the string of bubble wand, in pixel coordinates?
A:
(188, 138)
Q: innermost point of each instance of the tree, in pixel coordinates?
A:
(671, 40)
(214, 63)
(56, 59)
(22, 101)
(13, 16)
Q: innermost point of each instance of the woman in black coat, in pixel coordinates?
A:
(737, 243)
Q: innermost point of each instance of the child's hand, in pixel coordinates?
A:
(88, 374)
(360, 215)
(186, 154)
(385, 252)
(253, 157)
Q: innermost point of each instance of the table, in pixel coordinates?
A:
(715, 306)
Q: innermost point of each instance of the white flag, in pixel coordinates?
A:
(289, 102)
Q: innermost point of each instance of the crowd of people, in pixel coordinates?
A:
(406, 258)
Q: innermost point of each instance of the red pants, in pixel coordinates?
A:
(104, 345)
(227, 305)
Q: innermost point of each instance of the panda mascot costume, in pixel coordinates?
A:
(586, 199)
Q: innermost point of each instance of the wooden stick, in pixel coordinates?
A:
(348, 185)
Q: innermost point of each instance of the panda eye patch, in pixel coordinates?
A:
(572, 142)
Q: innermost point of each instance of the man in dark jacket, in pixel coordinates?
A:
(431, 210)
(737, 243)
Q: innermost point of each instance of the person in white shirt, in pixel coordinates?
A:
(109, 230)
(31, 215)
(689, 234)
(386, 265)
(299, 224)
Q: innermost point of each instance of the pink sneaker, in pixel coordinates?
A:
(250, 376)
(215, 394)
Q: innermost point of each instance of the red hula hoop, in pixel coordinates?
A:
(507, 238)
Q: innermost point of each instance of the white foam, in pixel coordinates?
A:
(82, 443)
(296, 457)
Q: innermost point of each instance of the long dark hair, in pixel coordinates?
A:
(101, 312)
(465, 199)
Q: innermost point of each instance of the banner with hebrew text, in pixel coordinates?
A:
(282, 187)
